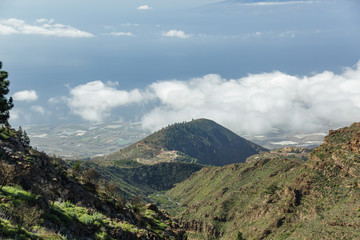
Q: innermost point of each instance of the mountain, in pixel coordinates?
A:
(277, 195)
(201, 141)
(40, 198)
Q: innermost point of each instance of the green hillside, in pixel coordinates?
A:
(202, 141)
(278, 197)
(40, 198)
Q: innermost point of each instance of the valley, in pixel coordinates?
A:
(213, 183)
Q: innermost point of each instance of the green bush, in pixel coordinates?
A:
(91, 219)
(239, 236)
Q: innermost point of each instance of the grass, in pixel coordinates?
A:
(66, 212)
(11, 231)
(16, 192)
(18, 214)
(17, 208)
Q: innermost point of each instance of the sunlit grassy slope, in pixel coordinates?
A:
(280, 197)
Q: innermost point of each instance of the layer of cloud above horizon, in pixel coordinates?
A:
(255, 104)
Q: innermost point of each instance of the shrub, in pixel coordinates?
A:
(7, 173)
(90, 219)
(239, 236)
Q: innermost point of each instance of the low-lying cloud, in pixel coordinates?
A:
(44, 27)
(94, 101)
(254, 104)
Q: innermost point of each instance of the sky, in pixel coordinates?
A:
(250, 65)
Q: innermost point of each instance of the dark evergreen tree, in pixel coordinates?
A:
(24, 138)
(5, 104)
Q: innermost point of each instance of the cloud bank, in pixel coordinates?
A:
(26, 95)
(42, 27)
(255, 104)
(94, 101)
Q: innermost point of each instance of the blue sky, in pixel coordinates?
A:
(250, 65)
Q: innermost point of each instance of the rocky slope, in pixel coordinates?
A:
(281, 197)
(42, 199)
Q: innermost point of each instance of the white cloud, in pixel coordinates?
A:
(175, 33)
(287, 34)
(42, 27)
(44, 20)
(57, 100)
(129, 25)
(274, 3)
(122, 34)
(94, 101)
(26, 95)
(261, 102)
(38, 109)
(254, 104)
(252, 35)
(144, 7)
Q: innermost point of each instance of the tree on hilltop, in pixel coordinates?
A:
(5, 104)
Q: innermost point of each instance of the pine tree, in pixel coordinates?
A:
(5, 104)
(24, 138)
